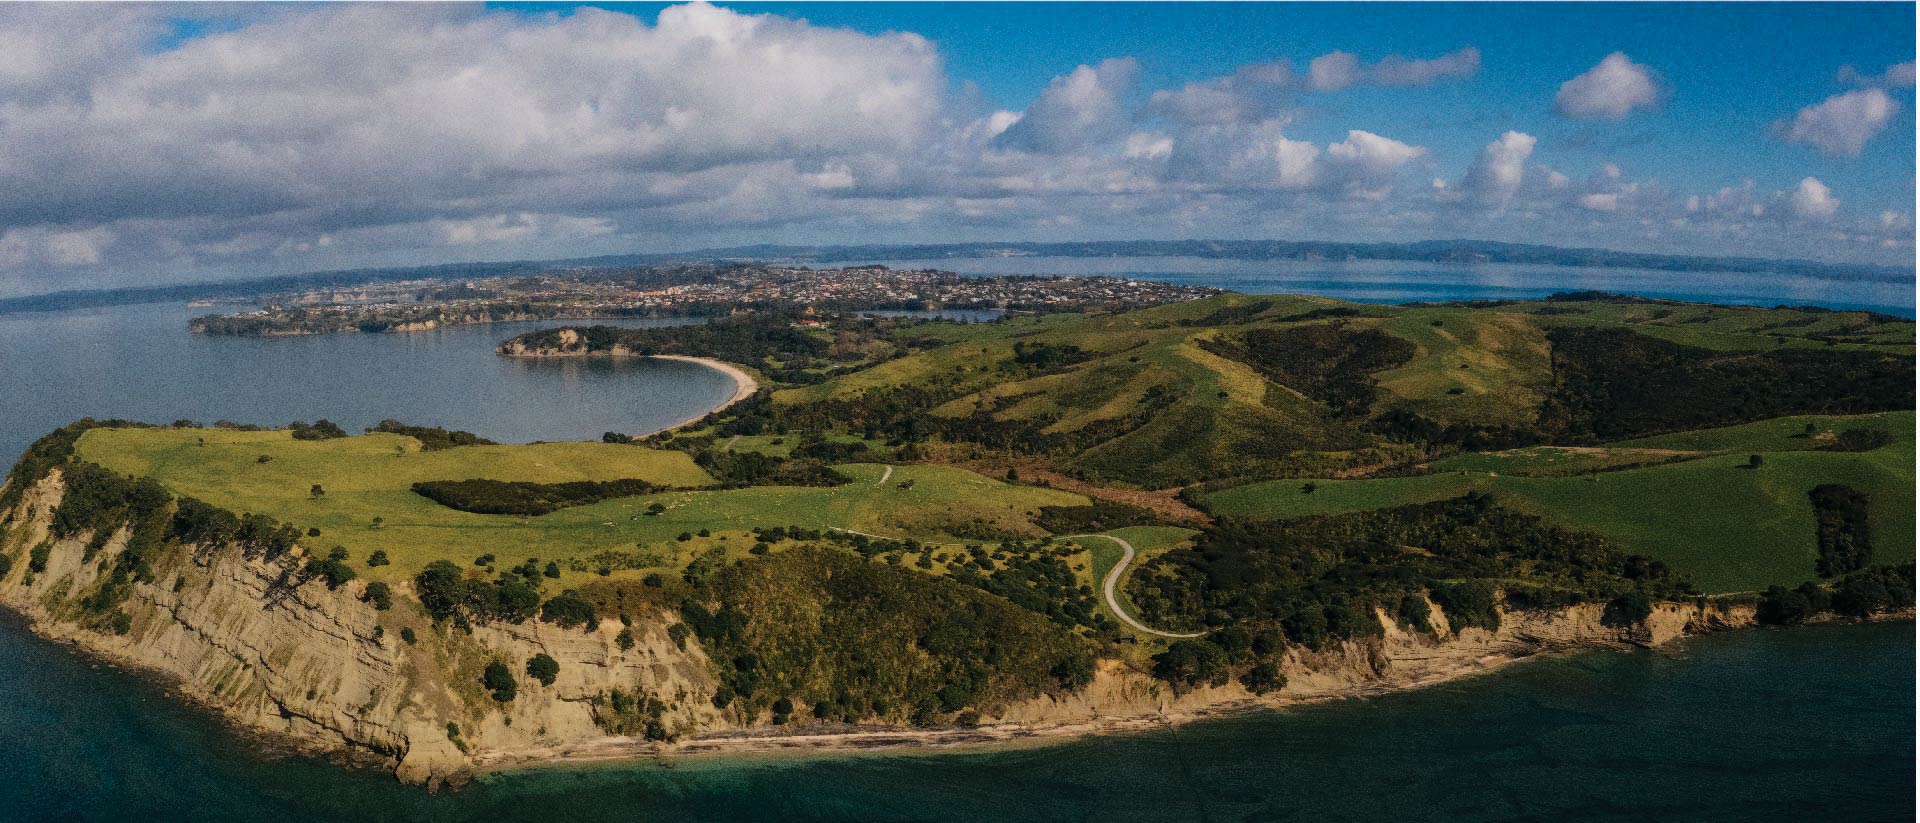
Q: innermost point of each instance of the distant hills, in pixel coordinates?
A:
(1426, 251)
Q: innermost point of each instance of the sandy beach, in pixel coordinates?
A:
(743, 387)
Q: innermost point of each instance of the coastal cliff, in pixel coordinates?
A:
(278, 652)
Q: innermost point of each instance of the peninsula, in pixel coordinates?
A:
(911, 531)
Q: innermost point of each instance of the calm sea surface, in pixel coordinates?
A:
(1800, 724)
(1391, 281)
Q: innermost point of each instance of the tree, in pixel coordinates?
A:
(543, 668)
(377, 522)
(1189, 663)
(406, 633)
(499, 680)
(442, 588)
(1263, 678)
(1308, 487)
(316, 492)
(553, 570)
(379, 594)
(1754, 461)
(378, 558)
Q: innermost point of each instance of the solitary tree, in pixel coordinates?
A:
(316, 492)
(377, 521)
(1754, 461)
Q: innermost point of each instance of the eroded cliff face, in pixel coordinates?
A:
(288, 657)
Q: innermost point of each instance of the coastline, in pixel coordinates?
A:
(743, 387)
(1446, 662)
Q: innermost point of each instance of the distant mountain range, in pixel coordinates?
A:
(1426, 251)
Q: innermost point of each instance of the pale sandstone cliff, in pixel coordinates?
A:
(324, 670)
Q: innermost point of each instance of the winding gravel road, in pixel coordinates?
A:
(1112, 581)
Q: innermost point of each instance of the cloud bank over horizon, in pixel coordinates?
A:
(137, 147)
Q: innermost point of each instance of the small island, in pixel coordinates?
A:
(909, 531)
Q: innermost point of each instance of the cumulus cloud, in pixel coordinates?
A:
(360, 115)
(1075, 110)
(1812, 200)
(294, 138)
(1497, 173)
(1843, 123)
(1608, 91)
(1371, 156)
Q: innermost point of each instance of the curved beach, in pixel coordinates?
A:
(743, 387)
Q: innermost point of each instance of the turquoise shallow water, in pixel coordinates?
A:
(1800, 724)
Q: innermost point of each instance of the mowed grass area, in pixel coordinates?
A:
(1728, 527)
(369, 476)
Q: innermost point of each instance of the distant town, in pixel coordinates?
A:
(676, 291)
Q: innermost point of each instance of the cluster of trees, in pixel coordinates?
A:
(1863, 593)
(1859, 440)
(317, 430)
(1325, 361)
(1612, 384)
(432, 438)
(1235, 652)
(483, 496)
(815, 626)
(1842, 533)
(1100, 516)
(1036, 578)
(749, 468)
(447, 593)
(755, 339)
(1321, 578)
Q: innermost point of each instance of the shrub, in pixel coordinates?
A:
(567, 610)
(378, 558)
(543, 668)
(1263, 678)
(379, 594)
(499, 680)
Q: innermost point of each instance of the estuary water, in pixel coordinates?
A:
(1813, 723)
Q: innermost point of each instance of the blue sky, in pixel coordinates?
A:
(151, 142)
(1735, 69)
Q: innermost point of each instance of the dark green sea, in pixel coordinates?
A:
(1793, 724)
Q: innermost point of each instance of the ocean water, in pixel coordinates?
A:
(1796, 724)
(1803, 724)
(1392, 281)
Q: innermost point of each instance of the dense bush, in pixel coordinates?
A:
(1613, 383)
(1326, 361)
(1320, 578)
(1098, 517)
(1842, 534)
(446, 593)
(498, 679)
(318, 430)
(814, 624)
(544, 668)
(482, 496)
(432, 438)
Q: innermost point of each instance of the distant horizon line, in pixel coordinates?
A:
(845, 252)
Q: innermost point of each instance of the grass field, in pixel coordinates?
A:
(1729, 527)
(368, 476)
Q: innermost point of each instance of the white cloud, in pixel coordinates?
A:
(1898, 76)
(1075, 110)
(1600, 201)
(1497, 173)
(1608, 91)
(1844, 123)
(501, 228)
(1812, 200)
(1333, 71)
(1371, 155)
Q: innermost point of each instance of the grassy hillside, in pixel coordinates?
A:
(1251, 387)
(1729, 527)
(369, 476)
